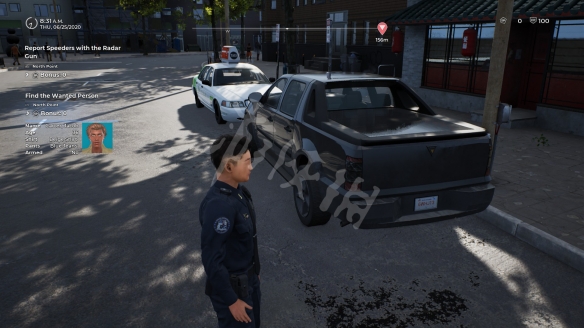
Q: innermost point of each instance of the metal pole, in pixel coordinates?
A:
(330, 49)
(278, 57)
(227, 32)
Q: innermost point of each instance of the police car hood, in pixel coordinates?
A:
(240, 92)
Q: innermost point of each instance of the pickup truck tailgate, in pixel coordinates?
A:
(423, 163)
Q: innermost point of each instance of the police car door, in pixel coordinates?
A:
(207, 90)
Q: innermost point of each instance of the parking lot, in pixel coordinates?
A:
(113, 240)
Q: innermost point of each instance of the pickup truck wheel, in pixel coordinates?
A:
(308, 208)
(198, 103)
(218, 117)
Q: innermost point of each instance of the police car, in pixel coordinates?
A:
(223, 87)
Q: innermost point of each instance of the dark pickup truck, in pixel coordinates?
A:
(368, 151)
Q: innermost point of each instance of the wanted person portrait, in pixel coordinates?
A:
(96, 139)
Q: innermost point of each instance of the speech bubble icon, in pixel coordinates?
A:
(382, 28)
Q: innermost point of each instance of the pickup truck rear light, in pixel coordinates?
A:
(354, 170)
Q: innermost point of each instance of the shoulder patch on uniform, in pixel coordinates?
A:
(221, 225)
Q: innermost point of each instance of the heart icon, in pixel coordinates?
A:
(382, 28)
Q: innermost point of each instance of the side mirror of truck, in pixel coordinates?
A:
(206, 82)
(272, 79)
(255, 97)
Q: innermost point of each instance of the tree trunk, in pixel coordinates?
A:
(213, 32)
(145, 37)
(290, 34)
(86, 11)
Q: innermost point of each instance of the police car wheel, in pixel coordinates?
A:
(307, 207)
(218, 117)
(198, 103)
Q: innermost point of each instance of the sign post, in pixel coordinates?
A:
(330, 50)
(278, 51)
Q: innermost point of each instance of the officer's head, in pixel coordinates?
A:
(231, 157)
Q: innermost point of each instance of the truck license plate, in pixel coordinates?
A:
(426, 203)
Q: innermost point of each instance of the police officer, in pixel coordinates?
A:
(228, 237)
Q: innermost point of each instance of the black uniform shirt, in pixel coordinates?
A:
(226, 237)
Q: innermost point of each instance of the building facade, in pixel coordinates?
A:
(544, 71)
(353, 29)
(14, 15)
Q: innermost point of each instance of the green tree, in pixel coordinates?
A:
(143, 8)
(215, 8)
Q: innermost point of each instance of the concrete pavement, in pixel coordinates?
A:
(538, 174)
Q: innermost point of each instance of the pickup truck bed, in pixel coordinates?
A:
(388, 158)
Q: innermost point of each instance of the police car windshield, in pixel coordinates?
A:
(231, 76)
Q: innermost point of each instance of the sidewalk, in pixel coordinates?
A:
(539, 195)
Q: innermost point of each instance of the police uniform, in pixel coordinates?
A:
(229, 252)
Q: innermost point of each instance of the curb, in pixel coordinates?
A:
(535, 237)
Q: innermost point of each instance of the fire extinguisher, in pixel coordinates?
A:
(397, 41)
(469, 41)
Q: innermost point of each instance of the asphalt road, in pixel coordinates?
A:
(113, 240)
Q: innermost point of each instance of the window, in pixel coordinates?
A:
(156, 15)
(179, 9)
(366, 33)
(198, 14)
(273, 4)
(166, 11)
(209, 75)
(446, 68)
(260, 16)
(203, 73)
(354, 36)
(297, 3)
(53, 8)
(273, 95)
(14, 7)
(3, 11)
(305, 33)
(564, 80)
(305, 2)
(78, 11)
(199, 2)
(292, 97)
(234, 76)
(41, 10)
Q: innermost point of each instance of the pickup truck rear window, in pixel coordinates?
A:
(364, 94)
(373, 107)
(358, 97)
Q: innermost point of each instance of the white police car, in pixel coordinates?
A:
(224, 87)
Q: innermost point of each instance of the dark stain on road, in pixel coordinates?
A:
(474, 279)
(384, 306)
